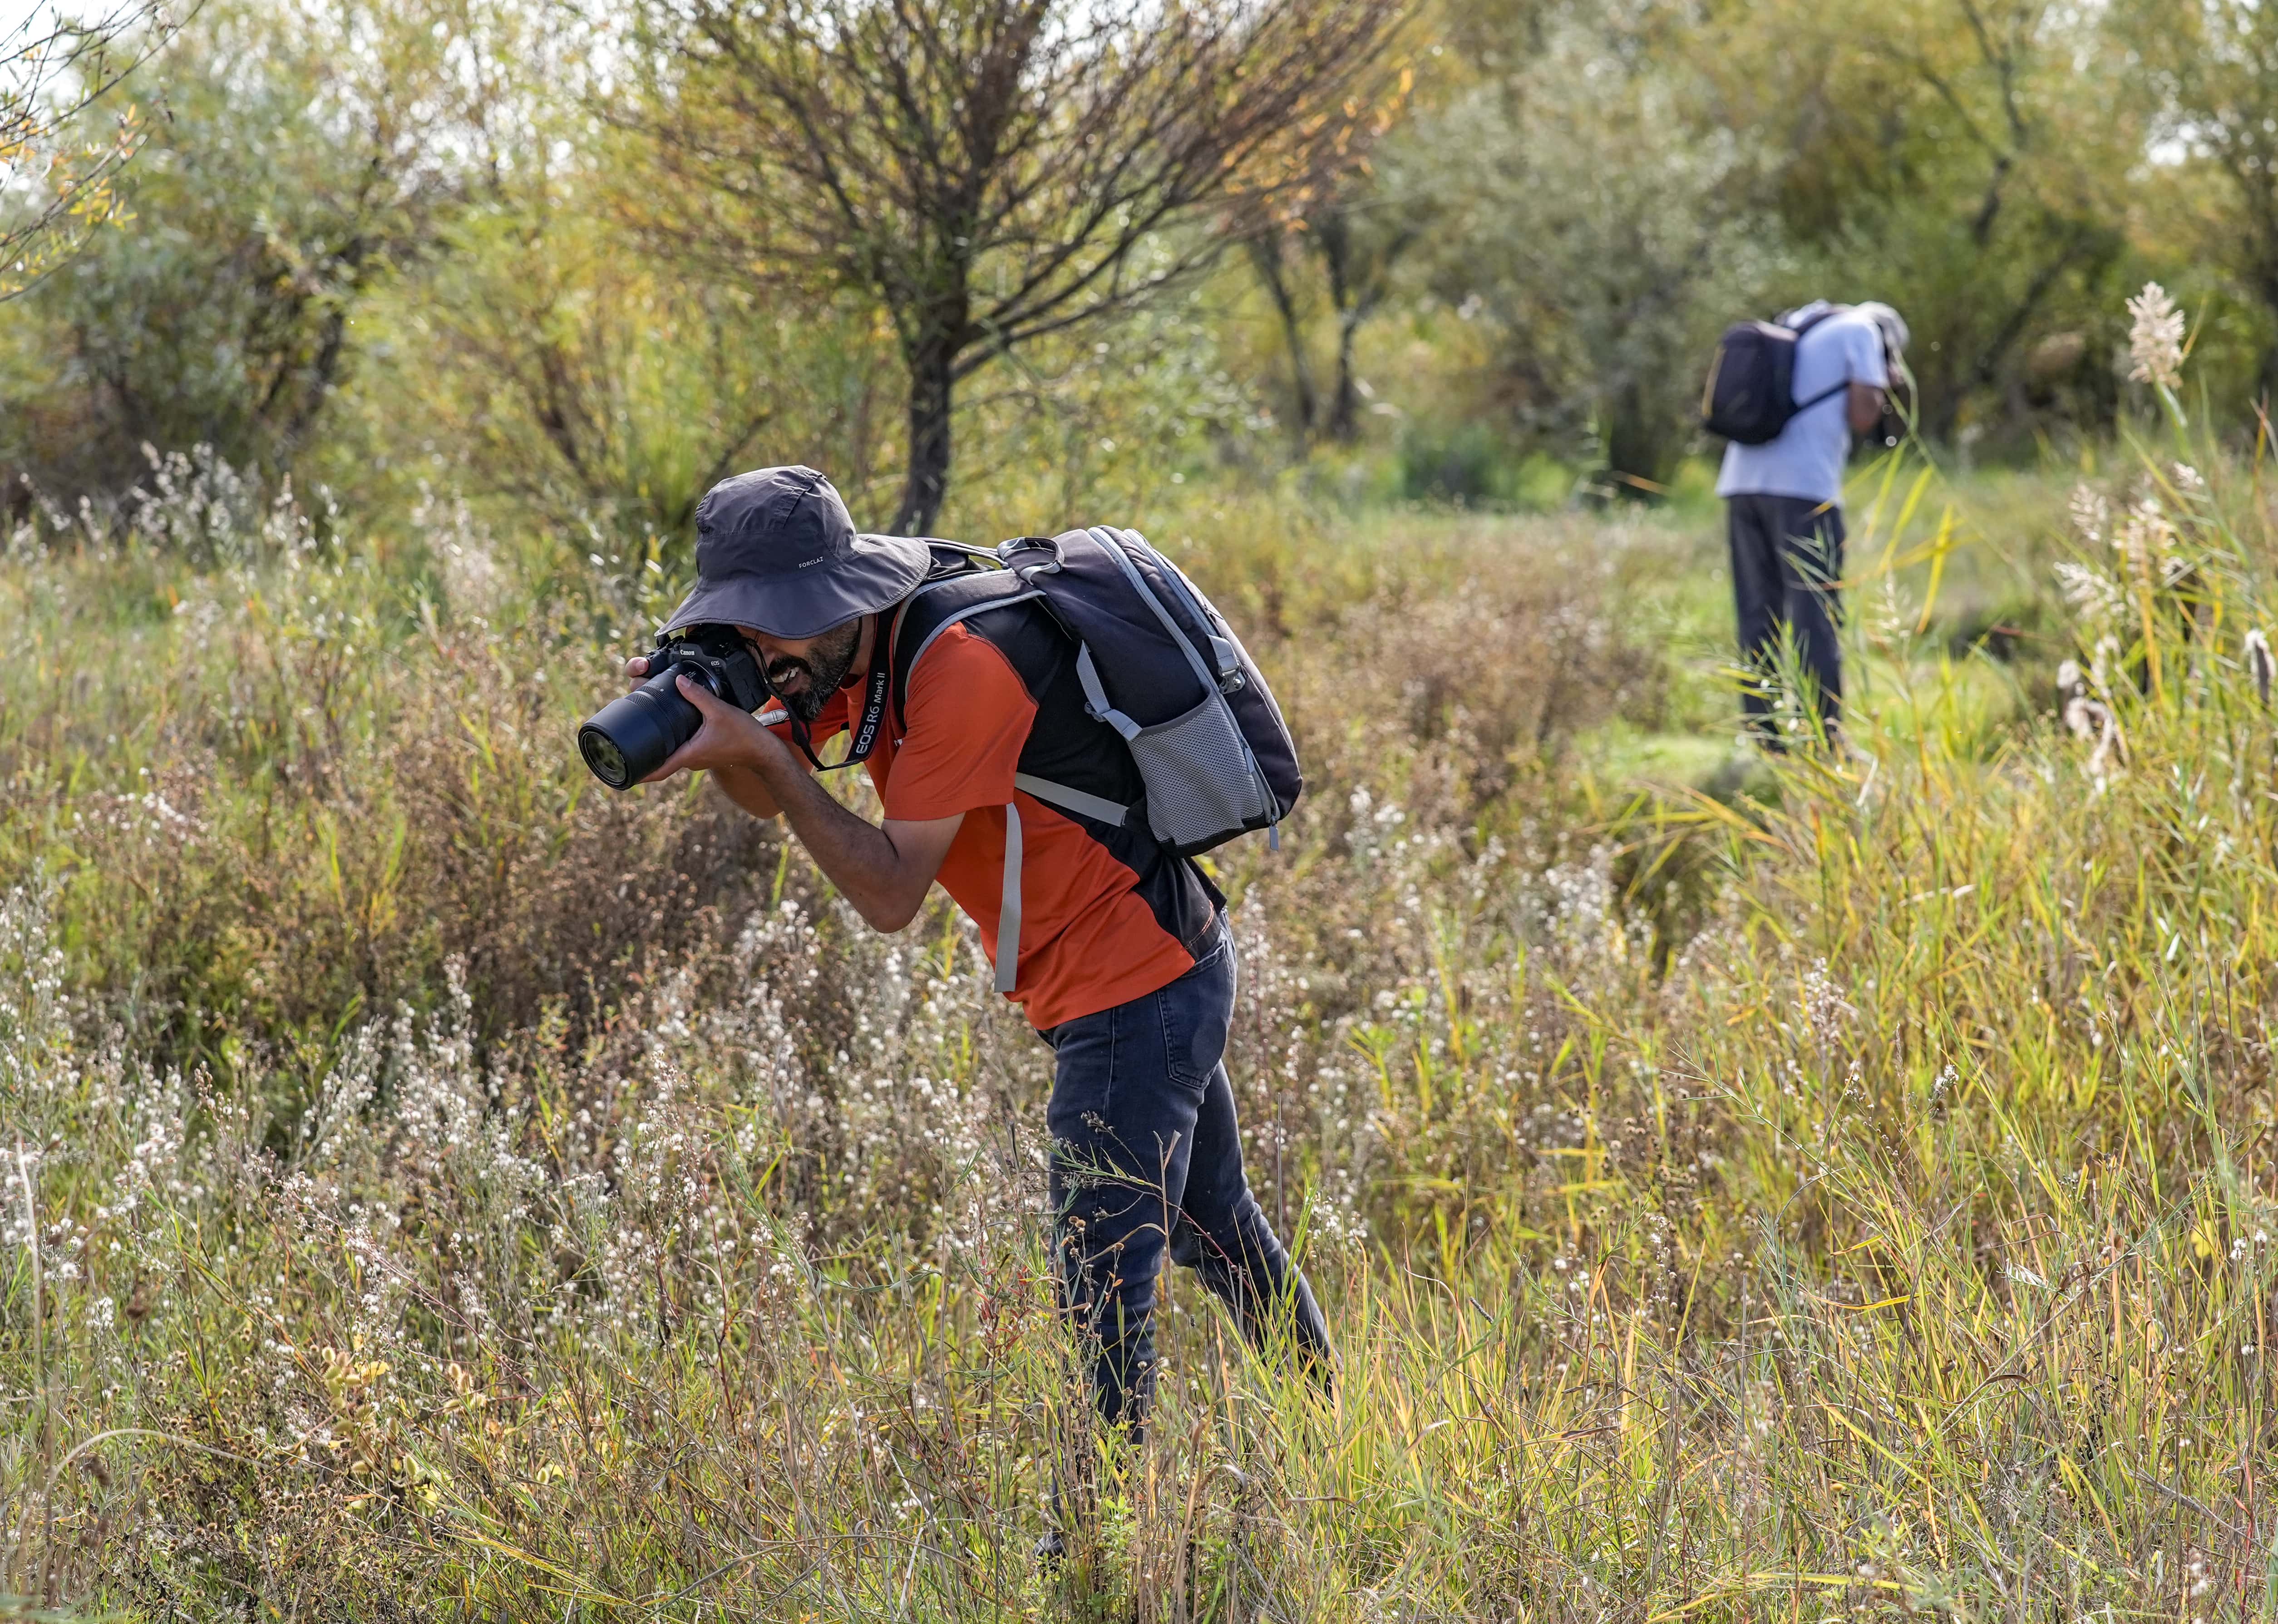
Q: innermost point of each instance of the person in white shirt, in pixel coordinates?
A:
(1783, 502)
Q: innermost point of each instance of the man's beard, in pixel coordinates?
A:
(825, 667)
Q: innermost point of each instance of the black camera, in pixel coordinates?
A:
(630, 738)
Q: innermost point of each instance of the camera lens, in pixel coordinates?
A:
(630, 738)
(603, 756)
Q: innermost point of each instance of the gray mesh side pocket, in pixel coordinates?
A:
(1201, 782)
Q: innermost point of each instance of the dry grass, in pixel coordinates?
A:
(1892, 1239)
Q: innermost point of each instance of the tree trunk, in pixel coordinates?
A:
(1335, 240)
(933, 381)
(1266, 255)
(1642, 443)
(1344, 405)
(1360, 278)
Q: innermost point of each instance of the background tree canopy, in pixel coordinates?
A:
(581, 263)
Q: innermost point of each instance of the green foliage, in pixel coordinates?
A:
(2207, 71)
(1467, 462)
(1581, 205)
(543, 365)
(288, 173)
(520, 300)
(55, 68)
(1079, 430)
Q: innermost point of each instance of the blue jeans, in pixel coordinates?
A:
(1147, 1157)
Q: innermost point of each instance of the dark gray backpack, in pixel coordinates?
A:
(1160, 669)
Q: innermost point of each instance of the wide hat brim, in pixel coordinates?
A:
(875, 573)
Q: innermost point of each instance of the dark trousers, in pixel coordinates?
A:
(1787, 555)
(1147, 1158)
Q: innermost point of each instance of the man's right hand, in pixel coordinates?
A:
(742, 785)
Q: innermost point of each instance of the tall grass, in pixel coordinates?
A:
(438, 1191)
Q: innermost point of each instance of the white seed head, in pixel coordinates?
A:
(2260, 665)
(2155, 342)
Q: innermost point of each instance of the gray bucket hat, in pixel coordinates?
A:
(775, 550)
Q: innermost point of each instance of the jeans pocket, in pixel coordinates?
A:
(1197, 1013)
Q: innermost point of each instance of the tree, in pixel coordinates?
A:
(531, 356)
(57, 165)
(1968, 161)
(2212, 69)
(1585, 212)
(1269, 251)
(1358, 247)
(1357, 236)
(301, 160)
(989, 171)
(554, 365)
(1357, 224)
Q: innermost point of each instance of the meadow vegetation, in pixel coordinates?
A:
(1839, 1187)
(1836, 1183)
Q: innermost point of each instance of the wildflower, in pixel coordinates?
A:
(2100, 666)
(2089, 720)
(2080, 712)
(1825, 1004)
(2091, 593)
(2156, 340)
(2145, 535)
(1889, 618)
(2260, 665)
(2109, 746)
(2090, 514)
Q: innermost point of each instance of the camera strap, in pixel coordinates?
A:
(863, 734)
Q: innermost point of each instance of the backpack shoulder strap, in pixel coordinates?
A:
(954, 599)
(973, 584)
(1802, 327)
(935, 607)
(1817, 316)
(949, 561)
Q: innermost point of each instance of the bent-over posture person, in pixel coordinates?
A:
(1125, 964)
(1784, 503)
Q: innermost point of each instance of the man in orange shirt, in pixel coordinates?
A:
(1123, 961)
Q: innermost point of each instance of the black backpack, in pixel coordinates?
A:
(1162, 673)
(1751, 390)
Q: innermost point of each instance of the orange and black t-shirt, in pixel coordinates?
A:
(1108, 914)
